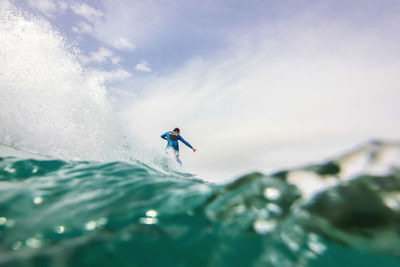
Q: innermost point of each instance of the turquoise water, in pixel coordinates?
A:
(76, 213)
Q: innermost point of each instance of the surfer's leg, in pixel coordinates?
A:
(177, 157)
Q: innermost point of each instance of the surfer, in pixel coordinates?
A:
(172, 137)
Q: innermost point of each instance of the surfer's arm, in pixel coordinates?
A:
(183, 141)
(164, 136)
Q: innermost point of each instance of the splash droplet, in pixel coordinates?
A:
(272, 193)
(33, 242)
(102, 221)
(151, 213)
(38, 200)
(273, 208)
(264, 226)
(91, 225)
(60, 229)
(10, 169)
(3, 220)
(17, 245)
(35, 169)
(148, 220)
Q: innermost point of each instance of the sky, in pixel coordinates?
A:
(254, 85)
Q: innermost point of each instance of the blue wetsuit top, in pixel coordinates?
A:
(172, 143)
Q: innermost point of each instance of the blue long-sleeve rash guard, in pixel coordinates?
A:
(174, 144)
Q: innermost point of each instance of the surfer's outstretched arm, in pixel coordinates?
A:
(186, 143)
(164, 136)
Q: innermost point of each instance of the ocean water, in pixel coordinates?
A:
(88, 213)
(75, 190)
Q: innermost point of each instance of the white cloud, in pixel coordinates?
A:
(115, 60)
(102, 55)
(63, 5)
(137, 22)
(82, 27)
(47, 7)
(88, 12)
(143, 66)
(117, 75)
(123, 44)
(83, 59)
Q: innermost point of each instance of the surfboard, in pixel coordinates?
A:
(189, 174)
(185, 174)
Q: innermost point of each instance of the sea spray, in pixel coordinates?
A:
(49, 104)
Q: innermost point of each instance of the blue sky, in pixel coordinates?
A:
(254, 85)
(166, 34)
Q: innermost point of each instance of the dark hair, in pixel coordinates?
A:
(177, 130)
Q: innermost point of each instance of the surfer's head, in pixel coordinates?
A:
(177, 131)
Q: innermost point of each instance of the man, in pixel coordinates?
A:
(172, 137)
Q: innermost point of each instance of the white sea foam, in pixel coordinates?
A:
(50, 105)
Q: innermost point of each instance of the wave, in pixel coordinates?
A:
(83, 213)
